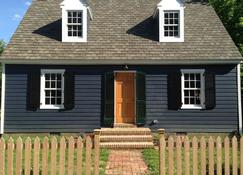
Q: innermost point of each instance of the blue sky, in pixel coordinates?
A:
(11, 13)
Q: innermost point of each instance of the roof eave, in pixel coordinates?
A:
(121, 61)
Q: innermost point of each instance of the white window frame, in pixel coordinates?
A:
(202, 94)
(42, 88)
(74, 5)
(166, 6)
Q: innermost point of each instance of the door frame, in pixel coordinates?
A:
(135, 93)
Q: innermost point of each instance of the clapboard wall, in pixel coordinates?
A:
(89, 101)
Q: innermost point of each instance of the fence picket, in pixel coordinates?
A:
(27, 156)
(219, 156)
(53, 155)
(88, 156)
(79, 166)
(195, 156)
(241, 156)
(203, 155)
(211, 155)
(234, 155)
(45, 150)
(178, 156)
(10, 156)
(70, 155)
(62, 156)
(19, 147)
(2, 156)
(226, 156)
(36, 160)
(162, 146)
(187, 156)
(97, 151)
(171, 155)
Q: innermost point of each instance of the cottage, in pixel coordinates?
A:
(77, 65)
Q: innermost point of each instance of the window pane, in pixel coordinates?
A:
(198, 84)
(47, 101)
(53, 101)
(74, 14)
(53, 84)
(187, 84)
(166, 15)
(47, 76)
(53, 76)
(47, 85)
(59, 101)
(198, 77)
(176, 15)
(187, 101)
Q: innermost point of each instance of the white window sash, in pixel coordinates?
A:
(202, 89)
(42, 94)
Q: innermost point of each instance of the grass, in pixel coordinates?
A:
(151, 157)
(104, 153)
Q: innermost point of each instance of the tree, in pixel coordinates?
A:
(2, 46)
(231, 14)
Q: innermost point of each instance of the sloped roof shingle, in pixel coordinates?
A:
(121, 29)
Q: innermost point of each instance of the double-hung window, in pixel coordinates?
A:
(52, 89)
(193, 89)
(75, 24)
(171, 23)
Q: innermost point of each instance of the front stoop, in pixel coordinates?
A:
(126, 138)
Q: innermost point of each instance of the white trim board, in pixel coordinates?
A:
(239, 98)
(3, 99)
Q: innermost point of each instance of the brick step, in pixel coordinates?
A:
(125, 131)
(124, 125)
(126, 138)
(126, 145)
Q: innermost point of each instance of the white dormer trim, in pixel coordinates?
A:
(74, 5)
(171, 6)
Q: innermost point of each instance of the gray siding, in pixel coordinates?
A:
(88, 111)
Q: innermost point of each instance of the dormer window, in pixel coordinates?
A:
(171, 21)
(75, 24)
(171, 24)
(74, 21)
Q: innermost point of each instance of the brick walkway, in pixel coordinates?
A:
(126, 162)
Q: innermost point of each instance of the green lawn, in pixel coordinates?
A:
(151, 157)
(104, 153)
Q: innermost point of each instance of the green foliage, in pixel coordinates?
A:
(2, 46)
(231, 14)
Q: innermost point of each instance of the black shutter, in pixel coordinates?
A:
(210, 99)
(174, 90)
(109, 99)
(69, 90)
(33, 90)
(140, 99)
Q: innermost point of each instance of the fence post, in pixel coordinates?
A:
(10, 156)
(97, 151)
(226, 156)
(162, 145)
(88, 156)
(2, 156)
(54, 146)
(241, 155)
(211, 155)
(234, 155)
(19, 147)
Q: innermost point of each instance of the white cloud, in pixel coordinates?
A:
(27, 3)
(17, 17)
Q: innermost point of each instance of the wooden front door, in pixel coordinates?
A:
(125, 97)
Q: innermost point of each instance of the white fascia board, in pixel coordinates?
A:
(239, 98)
(3, 99)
